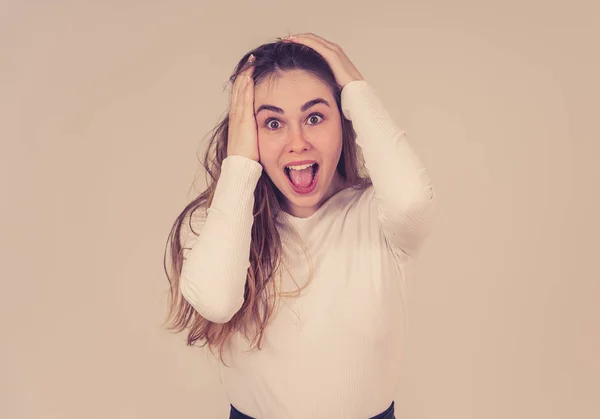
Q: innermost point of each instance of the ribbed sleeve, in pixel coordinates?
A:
(404, 194)
(214, 271)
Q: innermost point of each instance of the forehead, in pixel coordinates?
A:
(290, 90)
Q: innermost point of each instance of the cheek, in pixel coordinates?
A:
(333, 147)
(270, 152)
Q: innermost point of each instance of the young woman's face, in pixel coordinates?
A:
(298, 124)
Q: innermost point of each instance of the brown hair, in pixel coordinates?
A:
(265, 248)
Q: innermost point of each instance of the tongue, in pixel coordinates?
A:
(302, 178)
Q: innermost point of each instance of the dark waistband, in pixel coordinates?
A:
(386, 414)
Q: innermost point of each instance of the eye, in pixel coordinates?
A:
(315, 116)
(272, 124)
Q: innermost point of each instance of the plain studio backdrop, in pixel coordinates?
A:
(104, 109)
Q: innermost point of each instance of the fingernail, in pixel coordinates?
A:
(251, 58)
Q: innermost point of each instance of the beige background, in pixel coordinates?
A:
(103, 108)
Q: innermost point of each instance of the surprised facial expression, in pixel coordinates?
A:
(299, 139)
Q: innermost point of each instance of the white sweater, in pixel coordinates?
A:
(334, 351)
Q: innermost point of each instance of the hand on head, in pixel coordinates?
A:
(242, 136)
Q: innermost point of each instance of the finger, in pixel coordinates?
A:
(247, 102)
(244, 104)
(247, 83)
(235, 91)
(247, 67)
(239, 85)
(323, 49)
(312, 40)
(237, 97)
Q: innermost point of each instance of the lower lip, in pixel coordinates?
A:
(305, 191)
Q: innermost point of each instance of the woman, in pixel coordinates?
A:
(290, 265)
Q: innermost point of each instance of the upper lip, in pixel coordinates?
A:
(298, 163)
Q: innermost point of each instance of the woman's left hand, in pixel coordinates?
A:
(340, 64)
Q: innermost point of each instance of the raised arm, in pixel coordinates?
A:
(214, 271)
(404, 195)
(213, 275)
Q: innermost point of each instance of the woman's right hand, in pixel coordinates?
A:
(242, 138)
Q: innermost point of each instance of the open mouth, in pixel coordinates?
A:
(303, 178)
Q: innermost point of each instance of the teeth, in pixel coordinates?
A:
(301, 167)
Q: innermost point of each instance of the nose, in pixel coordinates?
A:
(297, 141)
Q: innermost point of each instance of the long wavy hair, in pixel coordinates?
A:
(266, 246)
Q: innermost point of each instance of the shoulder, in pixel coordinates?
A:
(361, 197)
(356, 200)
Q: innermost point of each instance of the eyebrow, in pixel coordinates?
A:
(304, 107)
